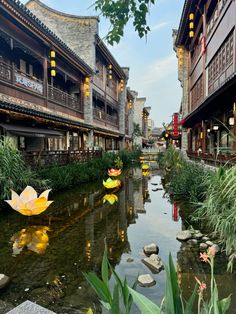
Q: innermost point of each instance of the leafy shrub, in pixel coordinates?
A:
(14, 174)
(188, 183)
(64, 177)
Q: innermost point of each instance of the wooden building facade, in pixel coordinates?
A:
(206, 52)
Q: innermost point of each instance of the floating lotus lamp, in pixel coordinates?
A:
(111, 184)
(146, 173)
(28, 204)
(145, 167)
(114, 172)
(35, 238)
(110, 198)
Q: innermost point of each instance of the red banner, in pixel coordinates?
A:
(176, 124)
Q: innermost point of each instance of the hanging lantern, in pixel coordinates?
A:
(87, 86)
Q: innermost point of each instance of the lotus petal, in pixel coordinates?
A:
(28, 194)
(45, 193)
(37, 206)
(111, 184)
(114, 172)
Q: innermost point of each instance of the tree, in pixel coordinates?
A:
(119, 12)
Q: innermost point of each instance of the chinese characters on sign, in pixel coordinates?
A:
(29, 83)
(176, 124)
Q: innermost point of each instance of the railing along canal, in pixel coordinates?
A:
(50, 158)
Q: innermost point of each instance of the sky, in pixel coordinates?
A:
(152, 62)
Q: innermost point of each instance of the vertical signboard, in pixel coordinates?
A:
(176, 124)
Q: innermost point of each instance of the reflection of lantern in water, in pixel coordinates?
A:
(88, 250)
(131, 210)
(122, 235)
(175, 212)
(35, 238)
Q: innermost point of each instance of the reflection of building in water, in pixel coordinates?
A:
(138, 192)
(79, 223)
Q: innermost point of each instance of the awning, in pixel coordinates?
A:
(30, 131)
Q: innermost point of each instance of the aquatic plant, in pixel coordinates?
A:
(172, 302)
(27, 203)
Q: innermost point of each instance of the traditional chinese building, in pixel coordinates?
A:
(105, 106)
(42, 95)
(205, 44)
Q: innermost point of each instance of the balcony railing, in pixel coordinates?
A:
(215, 15)
(51, 158)
(5, 71)
(99, 114)
(62, 98)
(209, 158)
(112, 119)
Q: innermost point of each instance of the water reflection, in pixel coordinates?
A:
(175, 212)
(35, 238)
(79, 221)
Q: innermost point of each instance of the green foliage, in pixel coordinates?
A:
(64, 177)
(184, 180)
(188, 183)
(172, 301)
(118, 162)
(119, 12)
(14, 175)
(111, 299)
(219, 206)
(136, 130)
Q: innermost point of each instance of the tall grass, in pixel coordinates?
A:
(219, 207)
(14, 173)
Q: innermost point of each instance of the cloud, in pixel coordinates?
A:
(159, 70)
(158, 26)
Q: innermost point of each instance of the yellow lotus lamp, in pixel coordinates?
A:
(146, 173)
(110, 198)
(145, 167)
(111, 184)
(27, 203)
(114, 172)
(35, 238)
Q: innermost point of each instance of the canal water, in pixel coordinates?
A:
(68, 239)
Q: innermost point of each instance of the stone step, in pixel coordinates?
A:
(29, 307)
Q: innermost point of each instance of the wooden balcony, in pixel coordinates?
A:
(215, 16)
(51, 158)
(11, 75)
(213, 159)
(64, 99)
(101, 115)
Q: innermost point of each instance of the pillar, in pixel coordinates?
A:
(90, 139)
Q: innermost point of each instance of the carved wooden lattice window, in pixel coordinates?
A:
(220, 63)
(197, 93)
